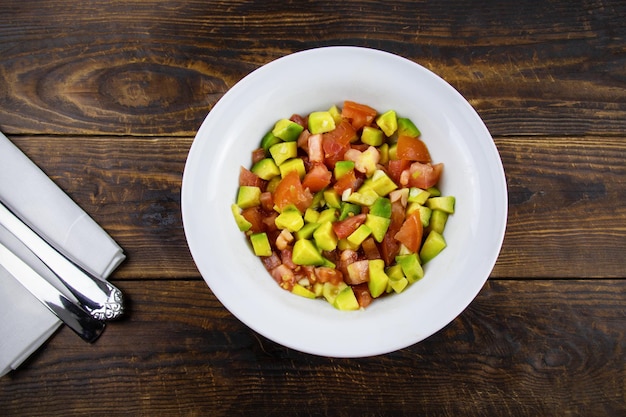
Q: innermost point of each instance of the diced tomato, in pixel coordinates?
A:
(395, 168)
(285, 256)
(370, 249)
(326, 274)
(303, 140)
(290, 191)
(347, 257)
(257, 155)
(317, 178)
(344, 228)
(269, 220)
(267, 201)
(314, 148)
(349, 180)
(359, 114)
(363, 296)
(390, 247)
(270, 262)
(255, 216)
(411, 232)
(283, 274)
(343, 133)
(302, 121)
(412, 149)
(249, 178)
(424, 175)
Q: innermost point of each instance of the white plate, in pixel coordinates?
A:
(315, 80)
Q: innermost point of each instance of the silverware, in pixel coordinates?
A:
(79, 320)
(99, 298)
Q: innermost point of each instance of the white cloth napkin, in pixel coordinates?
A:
(25, 324)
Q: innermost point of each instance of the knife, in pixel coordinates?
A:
(98, 297)
(80, 321)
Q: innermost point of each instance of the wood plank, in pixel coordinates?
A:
(522, 348)
(131, 186)
(157, 68)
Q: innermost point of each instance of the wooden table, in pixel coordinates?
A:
(106, 97)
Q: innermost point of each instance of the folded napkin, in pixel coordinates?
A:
(25, 324)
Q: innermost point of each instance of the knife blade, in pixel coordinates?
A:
(77, 319)
(99, 298)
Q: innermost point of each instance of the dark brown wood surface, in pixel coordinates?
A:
(106, 96)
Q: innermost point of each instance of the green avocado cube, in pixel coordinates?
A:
(381, 207)
(311, 215)
(372, 136)
(388, 122)
(399, 285)
(363, 198)
(359, 235)
(407, 128)
(284, 151)
(382, 184)
(330, 291)
(302, 291)
(294, 164)
(417, 195)
(328, 215)
(243, 224)
(346, 300)
(378, 226)
(378, 278)
(434, 191)
(342, 168)
(306, 253)
(348, 209)
(432, 246)
(321, 122)
(411, 267)
(334, 111)
(394, 272)
(332, 199)
(287, 130)
(325, 238)
(289, 219)
(306, 232)
(384, 153)
(260, 244)
(438, 220)
(425, 212)
(445, 204)
(266, 169)
(268, 140)
(248, 196)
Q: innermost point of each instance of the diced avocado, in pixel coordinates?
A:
(318, 287)
(442, 203)
(321, 122)
(381, 207)
(284, 151)
(318, 200)
(359, 235)
(378, 278)
(384, 153)
(332, 199)
(394, 272)
(434, 191)
(261, 244)
(407, 128)
(268, 140)
(248, 196)
(417, 195)
(330, 291)
(266, 169)
(346, 300)
(287, 130)
(424, 212)
(328, 215)
(311, 215)
(372, 136)
(344, 244)
(334, 111)
(294, 164)
(438, 220)
(382, 184)
(328, 263)
(306, 232)
(363, 198)
(273, 183)
(378, 225)
(342, 168)
(432, 246)
(399, 285)
(348, 209)
(305, 253)
(302, 291)
(289, 219)
(243, 224)
(411, 267)
(393, 151)
(325, 237)
(388, 122)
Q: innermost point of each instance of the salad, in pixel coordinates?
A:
(343, 204)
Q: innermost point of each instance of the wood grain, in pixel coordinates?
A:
(156, 68)
(549, 348)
